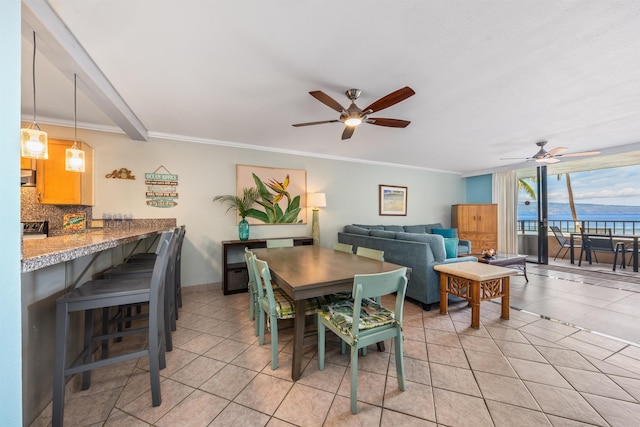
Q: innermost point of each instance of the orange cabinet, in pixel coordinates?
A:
(57, 186)
(478, 223)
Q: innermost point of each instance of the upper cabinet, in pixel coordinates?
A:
(57, 186)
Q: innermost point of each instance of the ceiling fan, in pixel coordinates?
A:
(353, 116)
(553, 155)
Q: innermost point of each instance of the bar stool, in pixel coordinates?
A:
(97, 294)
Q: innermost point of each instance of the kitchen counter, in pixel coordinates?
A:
(40, 253)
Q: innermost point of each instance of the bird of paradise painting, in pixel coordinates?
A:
(282, 194)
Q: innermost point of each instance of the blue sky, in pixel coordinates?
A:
(615, 186)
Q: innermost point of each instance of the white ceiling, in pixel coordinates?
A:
(491, 77)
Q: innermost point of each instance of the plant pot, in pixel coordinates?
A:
(243, 230)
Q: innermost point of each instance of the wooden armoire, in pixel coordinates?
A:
(478, 223)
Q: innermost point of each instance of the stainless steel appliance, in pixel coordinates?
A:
(35, 229)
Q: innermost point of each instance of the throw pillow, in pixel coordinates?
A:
(444, 232)
(451, 247)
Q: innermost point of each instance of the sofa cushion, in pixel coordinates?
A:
(435, 241)
(370, 227)
(429, 227)
(386, 234)
(444, 232)
(451, 247)
(394, 228)
(353, 229)
(415, 229)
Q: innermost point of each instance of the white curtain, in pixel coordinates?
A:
(505, 195)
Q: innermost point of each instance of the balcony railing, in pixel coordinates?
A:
(596, 226)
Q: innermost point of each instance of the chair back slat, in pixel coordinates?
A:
(343, 247)
(558, 234)
(370, 253)
(279, 243)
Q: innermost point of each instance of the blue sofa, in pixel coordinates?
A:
(411, 246)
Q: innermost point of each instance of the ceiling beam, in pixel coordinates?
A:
(63, 50)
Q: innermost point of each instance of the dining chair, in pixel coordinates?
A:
(370, 253)
(592, 243)
(253, 291)
(562, 241)
(98, 294)
(279, 243)
(361, 322)
(276, 304)
(343, 247)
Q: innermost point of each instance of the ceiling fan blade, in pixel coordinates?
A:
(556, 151)
(392, 123)
(582, 153)
(315, 123)
(547, 160)
(348, 131)
(327, 100)
(391, 99)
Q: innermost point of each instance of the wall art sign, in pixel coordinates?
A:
(161, 188)
(122, 173)
(393, 200)
(282, 194)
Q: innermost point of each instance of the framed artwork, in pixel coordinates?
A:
(282, 192)
(393, 200)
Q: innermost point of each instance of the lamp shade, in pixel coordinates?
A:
(316, 200)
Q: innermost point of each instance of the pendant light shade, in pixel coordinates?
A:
(74, 156)
(33, 141)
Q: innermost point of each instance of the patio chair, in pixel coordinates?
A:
(562, 241)
(592, 243)
(361, 322)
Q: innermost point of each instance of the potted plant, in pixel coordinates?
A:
(242, 205)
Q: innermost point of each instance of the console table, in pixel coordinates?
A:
(234, 267)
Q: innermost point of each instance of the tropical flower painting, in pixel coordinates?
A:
(282, 194)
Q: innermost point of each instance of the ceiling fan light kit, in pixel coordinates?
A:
(551, 156)
(354, 116)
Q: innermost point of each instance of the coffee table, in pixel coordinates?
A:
(503, 259)
(475, 282)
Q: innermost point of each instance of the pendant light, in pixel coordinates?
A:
(33, 141)
(74, 156)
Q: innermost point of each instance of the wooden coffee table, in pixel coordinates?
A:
(475, 282)
(503, 259)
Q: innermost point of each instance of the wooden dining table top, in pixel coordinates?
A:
(310, 271)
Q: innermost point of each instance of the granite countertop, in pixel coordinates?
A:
(40, 253)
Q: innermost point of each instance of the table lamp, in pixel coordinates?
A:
(315, 201)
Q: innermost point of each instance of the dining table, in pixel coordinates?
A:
(618, 237)
(311, 271)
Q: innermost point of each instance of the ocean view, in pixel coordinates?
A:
(586, 212)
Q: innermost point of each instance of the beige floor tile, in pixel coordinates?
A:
(435, 321)
(489, 362)
(624, 362)
(556, 327)
(599, 340)
(585, 348)
(198, 409)
(305, 405)
(394, 419)
(201, 343)
(375, 361)
(538, 372)
(255, 358)
(447, 355)
(183, 335)
(274, 422)
(463, 327)
(227, 350)
(198, 371)
(505, 334)
(444, 338)
(594, 383)
(615, 412)
(238, 415)
(176, 360)
(136, 386)
(229, 381)
(460, 410)
(540, 342)
(370, 387)
(90, 408)
(264, 393)
(630, 385)
(172, 394)
(632, 351)
(564, 403)
(454, 379)
(569, 358)
(506, 390)
(117, 418)
(565, 422)
(328, 379)
(485, 345)
(415, 333)
(415, 349)
(415, 400)
(505, 415)
(415, 370)
(520, 350)
(340, 414)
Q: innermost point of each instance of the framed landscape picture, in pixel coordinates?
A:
(283, 194)
(393, 200)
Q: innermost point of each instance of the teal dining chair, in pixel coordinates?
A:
(361, 322)
(275, 303)
(253, 291)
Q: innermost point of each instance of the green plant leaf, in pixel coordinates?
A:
(258, 215)
(291, 216)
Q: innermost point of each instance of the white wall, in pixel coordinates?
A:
(205, 171)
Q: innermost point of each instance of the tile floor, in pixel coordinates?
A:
(524, 371)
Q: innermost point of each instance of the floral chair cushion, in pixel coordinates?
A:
(285, 306)
(372, 315)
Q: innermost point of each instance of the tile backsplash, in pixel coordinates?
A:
(31, 210)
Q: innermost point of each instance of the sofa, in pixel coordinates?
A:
(413, 246)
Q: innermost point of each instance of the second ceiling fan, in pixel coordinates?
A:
(353, 116)
(553, 155)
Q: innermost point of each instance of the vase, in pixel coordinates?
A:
(243, 230)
